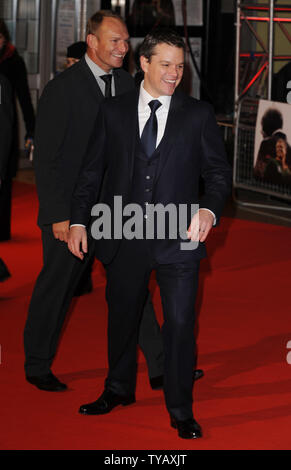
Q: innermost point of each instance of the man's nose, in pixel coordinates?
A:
(123, 47)
(174, 72)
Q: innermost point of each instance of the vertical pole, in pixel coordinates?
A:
(83, 20)
(271, 47)
(237, 57)
(14, 18)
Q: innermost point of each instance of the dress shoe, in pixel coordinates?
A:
(48, 382)
(105, 403)
(197, 374)
(188, 429)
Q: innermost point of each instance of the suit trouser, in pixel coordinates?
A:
(50, 302)
(5, 209)
(127, 280)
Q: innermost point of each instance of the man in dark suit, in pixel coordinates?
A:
(6, 126)
(154, 145)
(66, 117)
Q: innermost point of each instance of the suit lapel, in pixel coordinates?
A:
(118, 82)
(91, 80)
(175, 117)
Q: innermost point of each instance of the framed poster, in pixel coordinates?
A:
(66, 31)
(272, 155)
(92, 7)
(151, 13)
(194, 12)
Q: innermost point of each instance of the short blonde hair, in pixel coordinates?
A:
(96, 20)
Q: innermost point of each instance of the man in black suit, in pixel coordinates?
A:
(154, 145)
(66, 117)
(6, 125)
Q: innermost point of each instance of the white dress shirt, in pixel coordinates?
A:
(144, 112)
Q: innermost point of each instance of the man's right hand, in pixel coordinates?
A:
(77, 242)
(61, 230)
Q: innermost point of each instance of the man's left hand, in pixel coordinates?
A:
(200, 226)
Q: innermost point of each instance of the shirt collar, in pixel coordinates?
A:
(95, 69)
(145, 98)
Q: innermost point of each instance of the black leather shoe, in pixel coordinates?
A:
(197, 374)
(48, 382)
(157, 382)
(188, 429)
(105, 403)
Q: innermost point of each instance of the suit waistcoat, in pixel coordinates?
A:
(144, 174)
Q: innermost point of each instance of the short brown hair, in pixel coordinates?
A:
(95, 21)
(160, 36)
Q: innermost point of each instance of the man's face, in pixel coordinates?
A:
(110, 44)
(164, 71)
(281, 149)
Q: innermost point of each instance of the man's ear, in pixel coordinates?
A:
(92, 41)
(144, 63)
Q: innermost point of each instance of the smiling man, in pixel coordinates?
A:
(155, 144)
(66, 116)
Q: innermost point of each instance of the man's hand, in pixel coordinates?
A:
(77, 240)
(200, 226)
(61, 230)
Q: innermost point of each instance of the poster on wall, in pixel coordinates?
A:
(92, 7)
(272, 156)
(153, 13)
(66, 31)
(191, 81)
(194, 12)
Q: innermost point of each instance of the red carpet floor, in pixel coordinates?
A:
(244, 400)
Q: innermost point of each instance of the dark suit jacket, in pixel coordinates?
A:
(6, 124)
(191, 147)
(66, 117)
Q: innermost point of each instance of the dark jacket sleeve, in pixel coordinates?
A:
(216, 171)
(6, 124)
(51, 125)
(91, 175)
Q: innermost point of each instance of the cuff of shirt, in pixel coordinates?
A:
(204, 208)
(78, 225)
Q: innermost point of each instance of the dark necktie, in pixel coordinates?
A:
(107, 79)
(149, 133)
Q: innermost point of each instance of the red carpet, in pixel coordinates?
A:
(244, 400)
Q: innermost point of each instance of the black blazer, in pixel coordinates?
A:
(6, 124)
(191, 147)
(66, 117)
